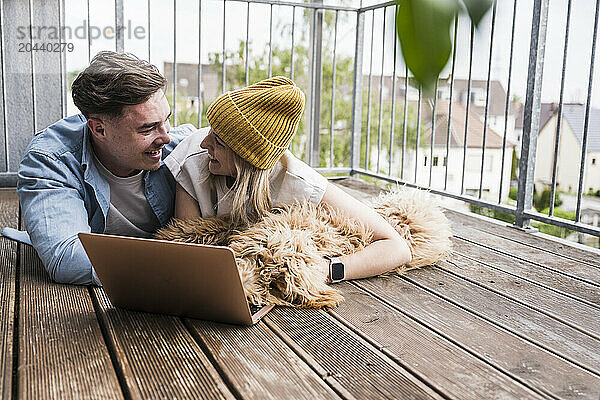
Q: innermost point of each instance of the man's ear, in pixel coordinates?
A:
(96, 127)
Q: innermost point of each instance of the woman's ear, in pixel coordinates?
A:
(97, 128)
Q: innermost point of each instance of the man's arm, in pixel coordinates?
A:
(54, 213)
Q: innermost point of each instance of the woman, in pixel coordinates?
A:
(241, 166)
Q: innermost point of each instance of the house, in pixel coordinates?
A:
(569, 149)
(496, 106)
(495, 165)
(187, 82)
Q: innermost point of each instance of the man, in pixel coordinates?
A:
(100, 171)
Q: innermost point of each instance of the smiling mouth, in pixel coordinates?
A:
(154, 153)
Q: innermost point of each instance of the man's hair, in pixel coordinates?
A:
(113, 81)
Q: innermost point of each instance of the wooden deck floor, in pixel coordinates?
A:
(510, 315)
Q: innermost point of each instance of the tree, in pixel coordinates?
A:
(281, 65)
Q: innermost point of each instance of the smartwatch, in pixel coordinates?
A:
(337, 270)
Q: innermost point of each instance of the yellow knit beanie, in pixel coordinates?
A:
(258, 122)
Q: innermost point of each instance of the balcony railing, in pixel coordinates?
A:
(365, 116)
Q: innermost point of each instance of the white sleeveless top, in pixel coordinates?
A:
(290, 179)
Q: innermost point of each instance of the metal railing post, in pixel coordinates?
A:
(531, 118)
(119, 26)
(315, 86)
(357, 93)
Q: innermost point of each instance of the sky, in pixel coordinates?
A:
(162, 33)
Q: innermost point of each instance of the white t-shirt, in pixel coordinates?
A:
(290, 179)
(129, 213)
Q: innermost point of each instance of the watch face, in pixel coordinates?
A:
(337, 271)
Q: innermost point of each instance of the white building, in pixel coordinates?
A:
(494, 166)
(569, 150)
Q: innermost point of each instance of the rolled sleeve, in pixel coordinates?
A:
(54, 213)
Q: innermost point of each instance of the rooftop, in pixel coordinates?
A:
(457, 128)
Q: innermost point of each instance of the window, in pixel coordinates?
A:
(425, 161)
(473, 162)
(435, 161)
(489, 163)
(478, 97)
(443, 93)
(593, 161)
(445, 161)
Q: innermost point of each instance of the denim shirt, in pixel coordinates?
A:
(62, 193)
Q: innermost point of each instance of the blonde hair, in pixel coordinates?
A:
(251, 193)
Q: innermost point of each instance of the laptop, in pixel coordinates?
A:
(183, 279)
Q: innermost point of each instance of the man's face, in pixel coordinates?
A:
(221, 156)
(135, 140)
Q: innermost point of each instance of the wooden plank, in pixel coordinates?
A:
(8, 258)
(534, 240)
(358, 187)
(519, 319)
(62, 354)
(554, 262)
(258, 364)
(451, 370)
(362, 370)
(9, 208)
(575, 288)
(549, 374)
(561, 307)
(156, 356)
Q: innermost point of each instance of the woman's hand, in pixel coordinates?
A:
(388, 249)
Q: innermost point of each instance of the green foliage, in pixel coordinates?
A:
(496, 214)
(512, 193)
(541, 201)
(185, 115)
(71, 75)
(543, 227)
(425, 24)
(514, 166)
(477, 9)
(281, 65)
(423, 27)
(591, 192)
(553, 229)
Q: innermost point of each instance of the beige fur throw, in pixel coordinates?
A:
(277, 256)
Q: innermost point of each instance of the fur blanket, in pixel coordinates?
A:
(277, 256)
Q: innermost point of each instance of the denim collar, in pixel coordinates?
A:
(86, 156)
(91, 173)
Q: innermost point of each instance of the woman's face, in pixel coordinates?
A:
(221, 156)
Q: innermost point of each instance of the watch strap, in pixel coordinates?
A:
(337, 270)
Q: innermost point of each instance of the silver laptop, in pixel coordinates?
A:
(184, 279)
